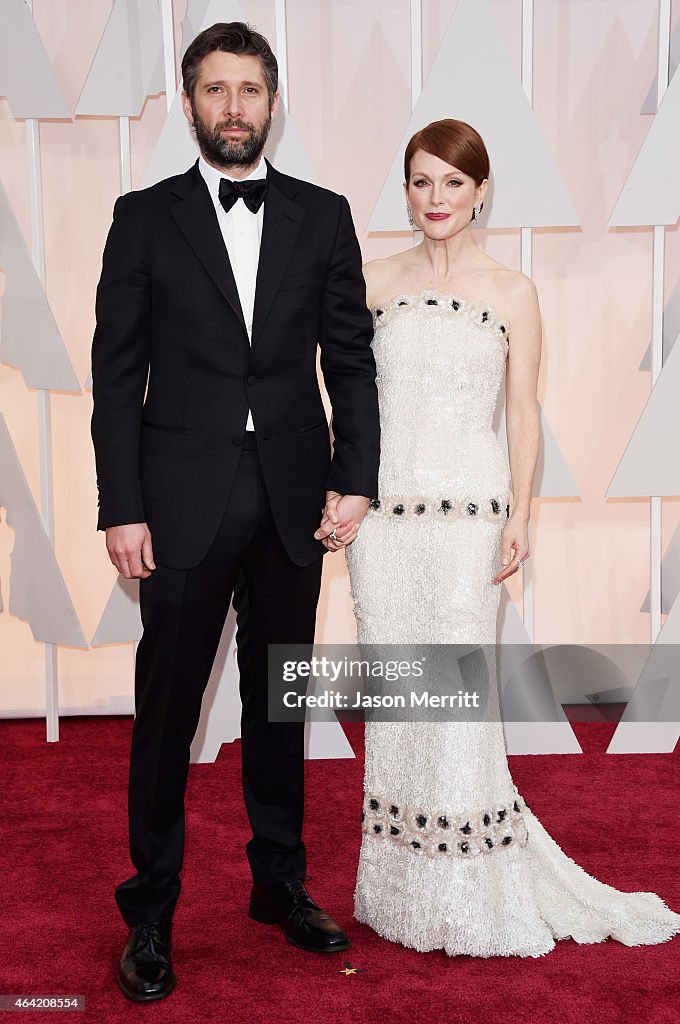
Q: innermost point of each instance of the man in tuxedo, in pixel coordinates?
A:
(217, 285)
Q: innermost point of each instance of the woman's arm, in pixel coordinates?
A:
(521, 416)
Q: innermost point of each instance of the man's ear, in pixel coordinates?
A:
(275, 104)
(186, 106)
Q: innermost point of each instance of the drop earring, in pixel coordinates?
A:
(409, 211)
(477, 210)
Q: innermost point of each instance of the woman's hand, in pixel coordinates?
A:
(514, 547)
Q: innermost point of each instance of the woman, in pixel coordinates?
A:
(451, 855)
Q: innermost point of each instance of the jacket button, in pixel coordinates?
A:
(251, 380)
(237, 440)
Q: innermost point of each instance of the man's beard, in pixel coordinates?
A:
(227, 152)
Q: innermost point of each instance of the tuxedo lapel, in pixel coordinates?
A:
(281, 227)
(195, 215)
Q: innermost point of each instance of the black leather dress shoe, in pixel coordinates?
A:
(145, 970)
(302, 921)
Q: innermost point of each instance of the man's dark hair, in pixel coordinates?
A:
(229, 37)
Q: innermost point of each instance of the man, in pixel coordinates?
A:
(218, 284)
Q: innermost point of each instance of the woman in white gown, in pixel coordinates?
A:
(451, 856)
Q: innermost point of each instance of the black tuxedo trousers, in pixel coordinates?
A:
(183, 613)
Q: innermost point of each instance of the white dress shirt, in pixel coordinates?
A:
(242, 232)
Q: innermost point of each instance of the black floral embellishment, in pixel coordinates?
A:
(413, 506)
(485, 316)
(417, 829)
(502, 328)
(456, 305)
(379, 312)
(402, 302)
(432, 302)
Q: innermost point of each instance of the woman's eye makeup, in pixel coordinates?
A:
(418, 182)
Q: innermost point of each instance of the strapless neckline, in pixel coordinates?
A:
(430, 299)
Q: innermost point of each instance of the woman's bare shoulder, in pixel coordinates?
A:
(381, 275)
(513, 288)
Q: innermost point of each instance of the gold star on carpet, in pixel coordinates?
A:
(348, 969)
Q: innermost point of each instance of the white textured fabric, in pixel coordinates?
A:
(242, 232)
(425, 577)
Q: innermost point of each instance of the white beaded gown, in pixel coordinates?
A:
(451, 856)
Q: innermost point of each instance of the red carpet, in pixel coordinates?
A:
(64, 846)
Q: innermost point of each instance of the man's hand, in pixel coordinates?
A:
(343, 513)
(130, 550)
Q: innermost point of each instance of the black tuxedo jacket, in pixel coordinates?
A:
(169, 323)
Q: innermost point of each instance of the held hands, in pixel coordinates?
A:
(130, 550)
(343, 513)
(514, 547)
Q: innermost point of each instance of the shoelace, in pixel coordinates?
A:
(297, 889)
(149, 934)
(302, 899)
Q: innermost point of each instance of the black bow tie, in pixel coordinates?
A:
(251, 192)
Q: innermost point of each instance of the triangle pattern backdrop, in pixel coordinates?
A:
(533, 720)
(650, 105)
(176, 149)
(651, 719)
(38, 594)
(671, 328)
(469, 81)
(128, 64)
(651, 194)
(27, 78)
(645, 468)
(670, 576)
(29, 336)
